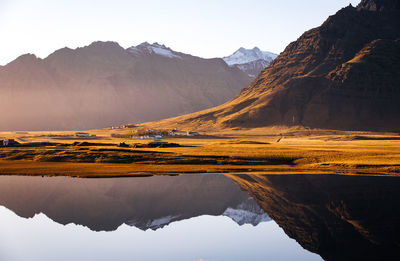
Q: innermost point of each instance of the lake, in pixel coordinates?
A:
(200, 217)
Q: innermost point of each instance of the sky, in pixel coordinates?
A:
(205, 28)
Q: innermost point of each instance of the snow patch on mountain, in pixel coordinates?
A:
(241, 216)
(250, 61)
(247, 212)
(155, 48)
(243, 56)
(153, 224)
(161, 222)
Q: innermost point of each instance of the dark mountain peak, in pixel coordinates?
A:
(149, 45)
(334, 76)
(154, 49)
(104, 45)
(91, 57)
(62, 51)
(379, 5)
(142, 45)
(65, 49)
(159, 45)
(25, 59)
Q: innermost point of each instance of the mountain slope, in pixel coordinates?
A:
(250, 61)
(106, 204)
(104, 84)
(338, 217)
(341, 75)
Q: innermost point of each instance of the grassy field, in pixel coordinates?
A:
(273, 150)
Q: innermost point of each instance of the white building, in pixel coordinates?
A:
(8, 142)
(82, 134)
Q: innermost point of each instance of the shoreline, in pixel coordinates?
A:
(104, 170)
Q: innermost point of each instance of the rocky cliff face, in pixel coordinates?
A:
(341, 75)
(103, 84)
(379, 5)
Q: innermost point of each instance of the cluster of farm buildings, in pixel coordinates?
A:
(154, 134)
(8, 143)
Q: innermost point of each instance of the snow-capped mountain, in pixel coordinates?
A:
(103, 84)
(155, 48)
(247, 212)
(250, 61)
(243, 56)
(146, 203)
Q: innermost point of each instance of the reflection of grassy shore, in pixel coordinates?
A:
(245, 152)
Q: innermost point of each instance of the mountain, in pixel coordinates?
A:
(338, 217)
(341, 75)
(106, 204)
(250, 61)
(104, 84)
(247, 212)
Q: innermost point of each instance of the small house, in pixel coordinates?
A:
(129, 126)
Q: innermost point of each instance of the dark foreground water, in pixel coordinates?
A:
(200, 217)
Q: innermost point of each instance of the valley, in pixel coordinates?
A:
(132, 150)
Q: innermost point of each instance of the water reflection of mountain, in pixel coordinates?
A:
(152, 202)
(337, 217)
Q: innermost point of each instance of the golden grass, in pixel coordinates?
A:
(247, 151)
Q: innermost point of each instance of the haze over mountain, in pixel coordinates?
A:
(250, 61)
(341, 75)
(104, 84)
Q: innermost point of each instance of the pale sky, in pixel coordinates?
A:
(205, 28)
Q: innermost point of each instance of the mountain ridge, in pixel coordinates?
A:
(115, 202)
(103, 84)
(301, 87)
(250, 61)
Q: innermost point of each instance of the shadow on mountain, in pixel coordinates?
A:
(337, 217)
(342, 75)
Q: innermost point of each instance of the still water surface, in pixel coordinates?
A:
(199, 217)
